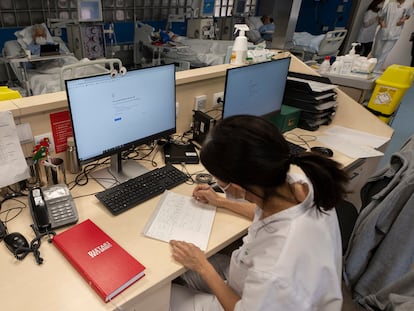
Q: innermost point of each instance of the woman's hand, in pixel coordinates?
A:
(205, 194)
(189, 255)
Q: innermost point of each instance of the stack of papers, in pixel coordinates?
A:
(353, 143)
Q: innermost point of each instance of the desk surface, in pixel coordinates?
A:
(56, 285)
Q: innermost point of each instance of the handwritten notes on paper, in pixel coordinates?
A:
(13, 166)
(180, 217)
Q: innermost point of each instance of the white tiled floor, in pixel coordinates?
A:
(403, 124)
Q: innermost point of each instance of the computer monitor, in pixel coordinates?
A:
(90, 11)
(112, 114)
(256, 89)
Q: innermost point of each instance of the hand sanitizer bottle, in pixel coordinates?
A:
(239, 52)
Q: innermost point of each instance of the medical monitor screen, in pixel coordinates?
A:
(89, 10)
(112, 114)
(256, 89)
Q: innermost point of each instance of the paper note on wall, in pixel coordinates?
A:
(13, 166)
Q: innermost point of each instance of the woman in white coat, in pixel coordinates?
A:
(391, 20)
(291, 257)
(369, 26)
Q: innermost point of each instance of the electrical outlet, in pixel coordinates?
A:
(218, 99)
(49, 135)
(200, 102)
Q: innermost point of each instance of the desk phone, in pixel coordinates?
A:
(52, 207)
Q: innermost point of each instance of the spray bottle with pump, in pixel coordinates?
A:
(239, 52)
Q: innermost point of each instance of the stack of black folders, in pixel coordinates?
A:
(315, 96)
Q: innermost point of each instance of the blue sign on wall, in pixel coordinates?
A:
(208, 7)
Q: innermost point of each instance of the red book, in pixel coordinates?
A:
(104, 264)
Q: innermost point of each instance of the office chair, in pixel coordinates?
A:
(347, 216)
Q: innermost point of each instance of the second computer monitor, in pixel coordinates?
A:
(256, 89)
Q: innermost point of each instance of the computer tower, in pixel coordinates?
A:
(202, 124)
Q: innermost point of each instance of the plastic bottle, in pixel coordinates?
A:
(352, 51)
(239, 51)
(72, 157)
(354, 57)
(325, 66)
(347, 62)
(337, 65)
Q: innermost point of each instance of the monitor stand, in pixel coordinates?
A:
(118, 172)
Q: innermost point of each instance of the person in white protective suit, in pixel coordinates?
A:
(391, 20)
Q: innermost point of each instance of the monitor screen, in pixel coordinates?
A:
(256, 89)
(89, 10)
(113, 114)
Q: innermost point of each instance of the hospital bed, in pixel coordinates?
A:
(46, 74)
(315, 47)
(185, 52)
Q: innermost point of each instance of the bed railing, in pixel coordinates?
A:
(113, 66)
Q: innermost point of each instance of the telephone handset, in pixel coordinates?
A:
(52, 207)
(39, 211)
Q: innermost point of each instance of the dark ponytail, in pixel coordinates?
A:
(329, 180)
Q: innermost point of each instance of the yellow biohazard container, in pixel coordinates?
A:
(6, 93)
(389, 90)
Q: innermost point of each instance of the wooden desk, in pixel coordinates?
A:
(56, 285)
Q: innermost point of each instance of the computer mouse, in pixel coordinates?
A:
(15, 240)
(323, 151)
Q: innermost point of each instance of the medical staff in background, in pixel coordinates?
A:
(369, 27)
(391, 20)
(268, 28)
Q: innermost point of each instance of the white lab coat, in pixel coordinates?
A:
(369, 27)
(289, 261)
(387, 36)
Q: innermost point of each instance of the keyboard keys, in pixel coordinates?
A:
(141, 188)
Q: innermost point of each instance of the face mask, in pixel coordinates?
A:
(40, 40)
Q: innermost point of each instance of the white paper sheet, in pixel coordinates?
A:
(357, 137)
(13, 166)
(180, 217)
(348, 147)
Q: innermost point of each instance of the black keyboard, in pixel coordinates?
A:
(137, 190)
(295, 149)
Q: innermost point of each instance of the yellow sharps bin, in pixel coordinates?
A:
(389, 90)
(6, 93)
